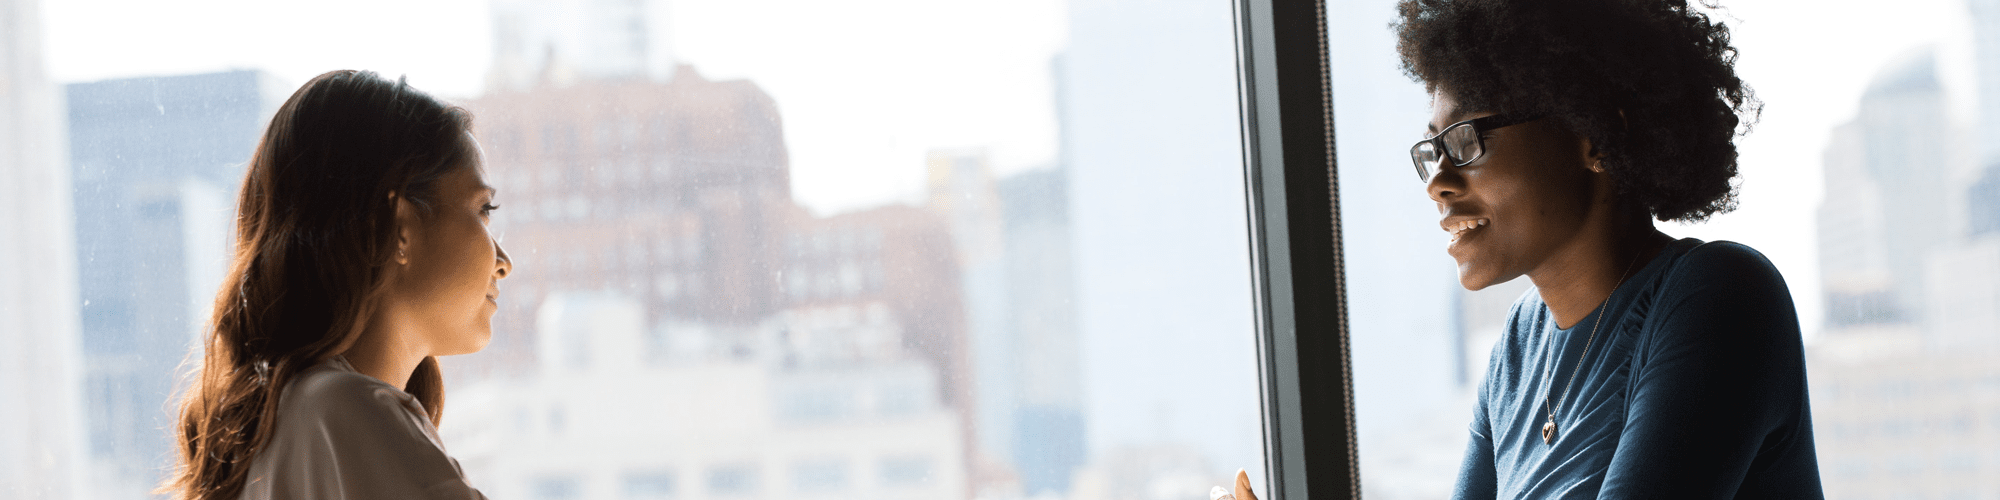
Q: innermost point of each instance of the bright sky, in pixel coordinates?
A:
(863, 102)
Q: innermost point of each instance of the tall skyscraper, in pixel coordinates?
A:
(541, 42)
(1012, 237)
(1886, 203)
(1910, 303)
(41, 441)
(1047, 427)
(156, 162)
(963, 194)
(1986, 78)
(1983, 203)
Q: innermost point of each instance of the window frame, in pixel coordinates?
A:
(1291, 180)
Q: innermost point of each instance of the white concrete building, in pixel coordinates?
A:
(41, 437)
(822, 409)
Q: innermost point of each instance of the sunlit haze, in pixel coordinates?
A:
(867, 132)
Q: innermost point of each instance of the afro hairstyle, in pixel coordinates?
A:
(1650, 83)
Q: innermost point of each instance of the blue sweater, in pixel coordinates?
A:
(1695, 388)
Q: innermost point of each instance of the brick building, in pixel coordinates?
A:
(678, 194)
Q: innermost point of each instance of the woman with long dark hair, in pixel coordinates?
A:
(361, 256)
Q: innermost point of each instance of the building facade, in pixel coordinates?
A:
(1012, 238)
(155, 164)
(41, 363)
(828, 403)
(1047, 427)
(677, 196)
(559, 42)
(1905, 396)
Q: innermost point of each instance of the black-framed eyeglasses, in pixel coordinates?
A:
(1460, 141)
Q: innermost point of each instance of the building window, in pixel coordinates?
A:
(653, 485)
(819, 476)
(905, 471)
(732, 480)
(556, 488)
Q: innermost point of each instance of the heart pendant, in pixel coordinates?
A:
(1549, 433)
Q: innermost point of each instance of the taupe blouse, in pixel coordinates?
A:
(343, 435)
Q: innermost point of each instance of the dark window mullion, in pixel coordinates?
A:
(1295, 247)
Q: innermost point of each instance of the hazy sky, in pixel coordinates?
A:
(865, 86)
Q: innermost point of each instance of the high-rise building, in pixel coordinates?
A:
(155, 164)
(541, 42)
(1012, 238)
(962, 193)
(676, 193)
(1903, 378)
(41, 439)
(1886, 205)
(1986, 78)
(1047, 427)
(1982, 203)
(1854, 259)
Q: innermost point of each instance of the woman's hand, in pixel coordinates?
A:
(1243, 486)
(1242, 490)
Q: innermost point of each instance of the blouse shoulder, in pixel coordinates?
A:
(335, 395)
(341, 434)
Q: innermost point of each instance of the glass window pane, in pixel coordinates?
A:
(763, 249)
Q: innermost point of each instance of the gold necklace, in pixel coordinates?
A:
(1549, 429)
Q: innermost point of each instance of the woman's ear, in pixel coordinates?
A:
(406, 224)
(1593, 158)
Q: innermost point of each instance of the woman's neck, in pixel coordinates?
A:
(385, 352)
(1575, 281)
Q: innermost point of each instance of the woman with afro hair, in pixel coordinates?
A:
(1639, 365)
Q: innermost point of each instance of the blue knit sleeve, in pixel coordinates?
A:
(1717, 399)
(1476, 479)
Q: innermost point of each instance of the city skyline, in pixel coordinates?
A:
(188, 38)
(1910, 278)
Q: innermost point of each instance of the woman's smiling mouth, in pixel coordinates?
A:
(1460, 228)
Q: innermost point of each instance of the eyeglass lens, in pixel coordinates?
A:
(1460, 141)
(1425, 154)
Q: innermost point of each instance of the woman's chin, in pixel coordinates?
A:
(1476, 278)
(472, 342)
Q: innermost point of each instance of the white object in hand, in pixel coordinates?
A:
(1218, 493)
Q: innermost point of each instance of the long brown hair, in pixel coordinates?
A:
(315, 232)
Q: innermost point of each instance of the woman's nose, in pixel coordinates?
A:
(1446, 183)
(503, 266)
